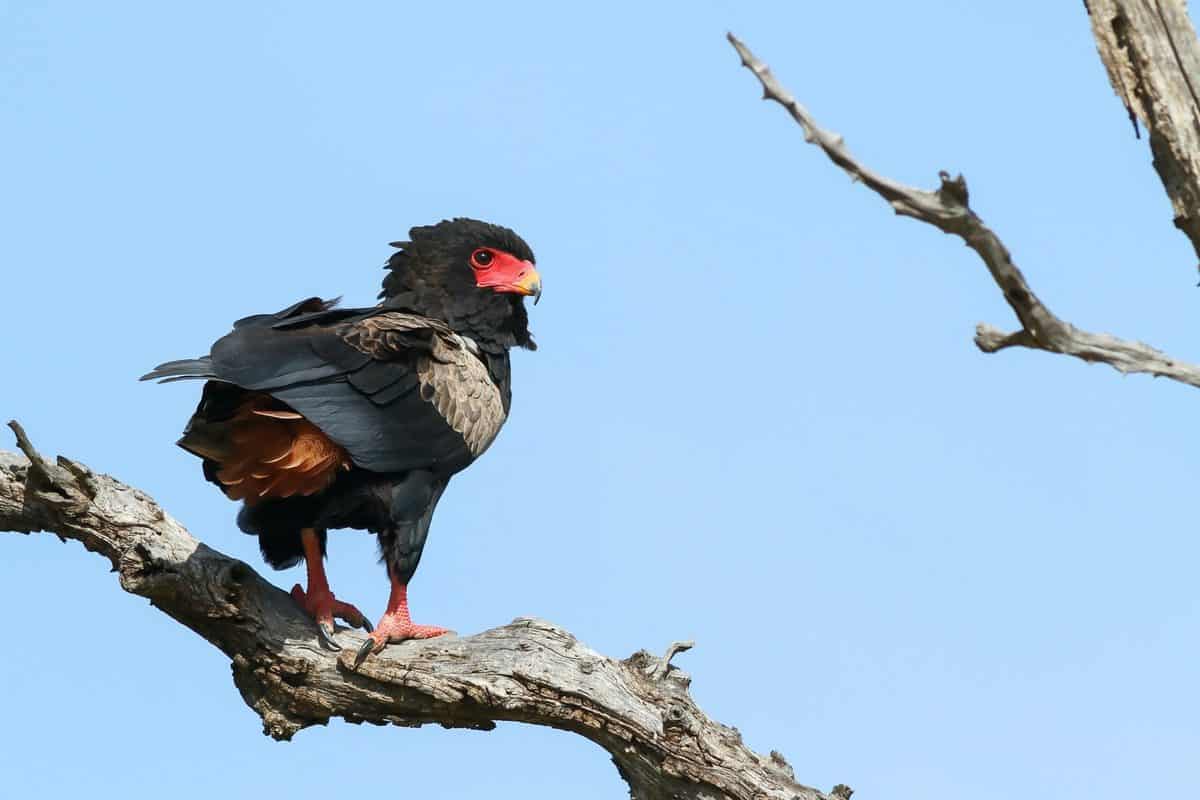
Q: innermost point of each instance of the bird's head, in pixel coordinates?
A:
(472, 274)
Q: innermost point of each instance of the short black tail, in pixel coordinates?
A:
(182, 370)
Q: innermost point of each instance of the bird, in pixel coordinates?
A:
(320, 417)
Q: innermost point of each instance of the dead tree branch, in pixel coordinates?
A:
(947, 209)
(638, 709)
(1150, 50)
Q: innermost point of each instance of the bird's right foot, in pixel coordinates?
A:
(323, 607)
(318, 600)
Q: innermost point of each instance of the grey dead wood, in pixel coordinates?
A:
(638, 709)
(1152, 56)
(947, 209)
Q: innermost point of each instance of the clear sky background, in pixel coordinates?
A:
(757, 417)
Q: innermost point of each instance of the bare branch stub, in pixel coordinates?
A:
(664, 666)
(529, 671)
(947, 209)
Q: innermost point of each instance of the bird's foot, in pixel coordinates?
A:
(323, 607)
(395, 627)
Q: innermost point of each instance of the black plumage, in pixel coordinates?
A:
(320, 417)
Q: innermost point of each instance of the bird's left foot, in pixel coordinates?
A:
(396, 625)
(395, 628)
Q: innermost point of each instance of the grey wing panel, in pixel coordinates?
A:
(459, 386)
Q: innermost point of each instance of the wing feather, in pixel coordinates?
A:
(396, 391)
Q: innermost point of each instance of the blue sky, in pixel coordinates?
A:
(756, 419)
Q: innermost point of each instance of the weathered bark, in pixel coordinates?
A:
(1150, 50)
(638, 709)
(946, 209)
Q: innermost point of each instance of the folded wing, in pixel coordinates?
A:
(395, 391)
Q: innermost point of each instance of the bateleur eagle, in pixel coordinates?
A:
(320, 417)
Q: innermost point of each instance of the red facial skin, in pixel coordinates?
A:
(502, 272)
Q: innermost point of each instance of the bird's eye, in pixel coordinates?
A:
(481, 258)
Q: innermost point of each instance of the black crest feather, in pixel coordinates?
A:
(430, 274)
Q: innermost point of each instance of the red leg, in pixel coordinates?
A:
(318, 601)
(396, 624)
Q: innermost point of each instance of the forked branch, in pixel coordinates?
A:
(947, 209)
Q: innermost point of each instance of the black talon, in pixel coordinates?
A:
(363, 652)
(367, 626)
(326, 634)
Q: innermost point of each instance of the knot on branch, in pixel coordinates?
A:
(139, 569)
(678, 718)
(953, 191)
(781, 764)
(271, 690)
